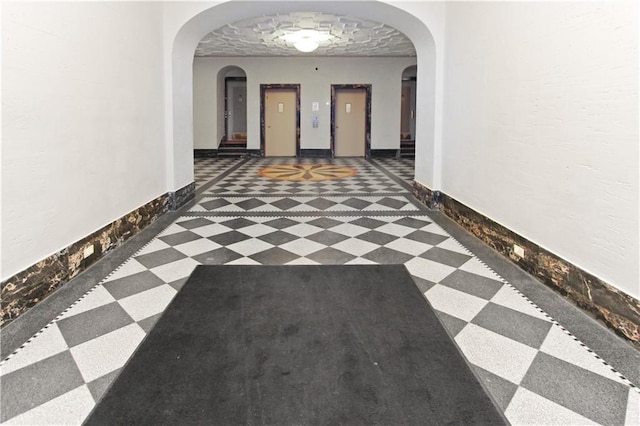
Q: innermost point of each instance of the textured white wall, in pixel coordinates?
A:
(82, 121)
(384, 74)
(541, 126)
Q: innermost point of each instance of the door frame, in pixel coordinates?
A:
(367, 117)
(226, 101)
(412, 127)
(263, 90)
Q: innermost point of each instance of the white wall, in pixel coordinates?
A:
(205, 105)
(82, 121)
(541, 126)
(384, 75)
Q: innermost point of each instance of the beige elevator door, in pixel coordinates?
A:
(350, 122)
(280, 123)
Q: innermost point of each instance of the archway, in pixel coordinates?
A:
(203, 19)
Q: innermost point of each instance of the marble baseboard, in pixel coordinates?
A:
(182, 196)
(315, 153)
(27, 288)
(254, 153)
(384, 153)
(620, 311)
(426, 196)
(205, 153)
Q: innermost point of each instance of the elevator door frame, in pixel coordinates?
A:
(263, 91)
(367, 118)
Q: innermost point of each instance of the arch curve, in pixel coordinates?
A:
(204, 18)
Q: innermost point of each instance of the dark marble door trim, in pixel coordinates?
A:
(367, 138)
(263, 90)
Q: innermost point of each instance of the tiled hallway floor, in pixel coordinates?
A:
(534, 370)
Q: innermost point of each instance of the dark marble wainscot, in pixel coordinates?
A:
(254, 153)
(384, 153)
(315, 153)
(205, 153)
(27, 288)
(182, 196)
(426, 196)
(618, 310)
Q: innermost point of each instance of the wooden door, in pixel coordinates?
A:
(350, 122)
(280, 122)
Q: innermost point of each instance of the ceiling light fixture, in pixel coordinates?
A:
(306, 45)
(306, 40)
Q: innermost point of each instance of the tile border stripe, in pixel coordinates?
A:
(304, 194)
(230, 169)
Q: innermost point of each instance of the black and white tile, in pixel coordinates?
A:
(404, 168)
(291, 204)
(534, 370)
(246, 180)
(206, 169)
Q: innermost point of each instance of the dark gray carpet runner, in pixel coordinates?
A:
(297, 345)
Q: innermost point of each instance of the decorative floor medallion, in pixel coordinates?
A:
(307, 172)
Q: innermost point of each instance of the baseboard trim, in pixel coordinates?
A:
(205, 153)
(426, 196)
(384, 153)
(315, 153)
(25, 289)
(618, 310)
(182, 196)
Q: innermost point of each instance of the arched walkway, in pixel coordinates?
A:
(180, 126)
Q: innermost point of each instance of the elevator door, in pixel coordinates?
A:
(280, 122)
(350, 122)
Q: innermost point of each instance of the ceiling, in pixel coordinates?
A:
(261, 36)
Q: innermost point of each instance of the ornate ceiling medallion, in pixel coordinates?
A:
(323, 34)
(307, 172)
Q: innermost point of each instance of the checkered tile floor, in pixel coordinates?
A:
(401, 167)
(304, 204)
(535, 371)
(206, 169)
(245, 180)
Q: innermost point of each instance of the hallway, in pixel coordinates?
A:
(351, 211)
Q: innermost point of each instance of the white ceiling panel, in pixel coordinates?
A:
(262, 36)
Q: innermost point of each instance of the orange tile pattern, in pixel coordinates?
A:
(307, 172)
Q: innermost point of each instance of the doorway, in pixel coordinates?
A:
(408, 113)
(235, 109)
(280, 119)
(408, 109)
(350, 120)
